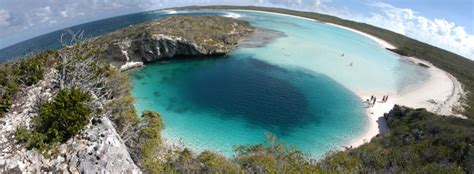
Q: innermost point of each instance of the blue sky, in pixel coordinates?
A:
(448, 24)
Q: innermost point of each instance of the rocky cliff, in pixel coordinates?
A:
(171, 37)
(96, 149)
(110, 142)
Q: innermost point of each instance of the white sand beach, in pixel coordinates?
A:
(440, 94)
(383, 43)
(281, 14)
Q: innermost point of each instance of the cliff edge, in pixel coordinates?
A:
(171, 37)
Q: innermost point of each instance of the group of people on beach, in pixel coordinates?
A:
(373, 99)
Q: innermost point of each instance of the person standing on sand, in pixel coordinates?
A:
(386, 98)
(373, 103)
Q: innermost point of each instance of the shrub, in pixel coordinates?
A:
(418, 141)
(151, 135)
(216, 163)
(25, 72)
(58, 120)
(65, 116)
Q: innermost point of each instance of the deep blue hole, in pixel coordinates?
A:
(247, 88)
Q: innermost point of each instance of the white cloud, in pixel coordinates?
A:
(64, 13)
(4, 18)
(437, 32)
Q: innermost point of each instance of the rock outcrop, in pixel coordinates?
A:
(171, 37)
(97, 149)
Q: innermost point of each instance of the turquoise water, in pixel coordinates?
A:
(298, 87)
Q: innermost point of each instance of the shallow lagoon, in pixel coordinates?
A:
(298, 87)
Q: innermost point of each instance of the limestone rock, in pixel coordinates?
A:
(172, 37)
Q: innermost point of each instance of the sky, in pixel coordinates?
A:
(448, 24)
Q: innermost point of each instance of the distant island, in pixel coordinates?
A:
(70, 110)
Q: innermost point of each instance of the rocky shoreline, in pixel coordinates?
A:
(172, 37)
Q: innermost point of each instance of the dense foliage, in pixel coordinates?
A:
(122, 106)
(151, 141)
(25, 72)
(58, 120)
(419, 141)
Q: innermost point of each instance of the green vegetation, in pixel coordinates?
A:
(216, 163)
(271, 157)
(208, 31)
(274, 157)
(458, 66)
(25, 72)
(81, 74)
(419, 141)
(151, 135)
(58, 120)
(122, 106)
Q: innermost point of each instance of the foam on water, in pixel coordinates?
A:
(232, 15)
(171, 11)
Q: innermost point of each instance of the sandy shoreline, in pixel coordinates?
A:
(381, 42)
(281, 14)
(440, 94)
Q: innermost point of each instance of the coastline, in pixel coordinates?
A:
(439, 100)
(281, 14)
(381, 42)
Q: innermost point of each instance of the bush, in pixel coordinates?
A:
(418, 141)
(25, 72)
(151, 135)
(274, 157)
(58, 120)
(216, 163)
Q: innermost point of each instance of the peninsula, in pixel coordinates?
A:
(175, 36)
